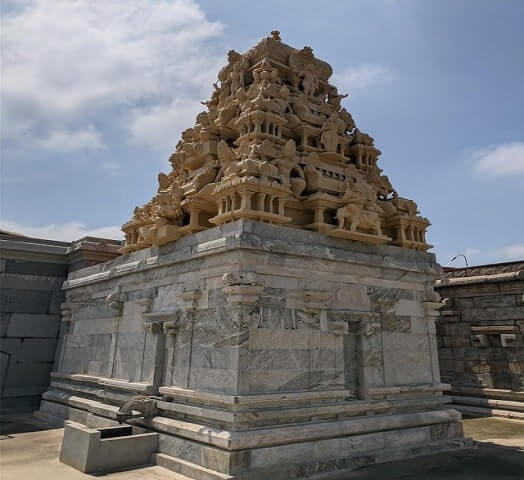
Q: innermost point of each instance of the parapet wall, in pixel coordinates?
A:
(480, 338)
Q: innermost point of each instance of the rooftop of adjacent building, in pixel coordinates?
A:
(486, 269)
(78, 253)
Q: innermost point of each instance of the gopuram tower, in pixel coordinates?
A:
(274, 303)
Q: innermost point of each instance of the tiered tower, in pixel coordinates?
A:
(276, 146)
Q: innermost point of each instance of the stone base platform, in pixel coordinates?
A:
(270, 352)
(313, 450)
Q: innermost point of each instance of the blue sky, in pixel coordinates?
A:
(95, 94)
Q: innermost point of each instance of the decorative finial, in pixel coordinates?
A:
(276, 35)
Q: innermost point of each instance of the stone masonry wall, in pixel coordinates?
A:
(32, 272)
(30, 321)
(480, 334)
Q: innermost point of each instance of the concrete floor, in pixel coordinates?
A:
(29, 449)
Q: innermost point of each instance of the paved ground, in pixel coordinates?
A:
(29, 449)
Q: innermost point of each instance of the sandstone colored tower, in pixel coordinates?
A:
(276, 146)
(274, 302)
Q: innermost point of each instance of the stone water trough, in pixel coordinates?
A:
(106, 449)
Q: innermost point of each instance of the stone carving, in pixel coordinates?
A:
(65, 311)
(115, 302)
(275, 145)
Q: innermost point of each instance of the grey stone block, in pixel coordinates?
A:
(25, 267)
(38, 349)
(24, 301)
(33, 325)
(4, 323)
(11, 346)
(30, 373)
(32, 282)
(496, 301)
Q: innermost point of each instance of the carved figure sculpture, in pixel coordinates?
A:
(334, 98)
(303, 110)
(359, 209)
(330, 137)
(355, 216)
(227, 159)
(309, 81)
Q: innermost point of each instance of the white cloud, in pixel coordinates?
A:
(110, 166)
(66, 232)
(159, 126)
(514, 251)
(500, 160)
(66, 63)
(471, 251)
(361, 77)
(67, 142)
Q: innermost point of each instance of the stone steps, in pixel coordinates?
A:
(187, 469)
(488, 412)
(489, 403)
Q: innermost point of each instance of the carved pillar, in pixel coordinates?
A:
(402, 231)
(189, 303)
(193, 218)
(319, 214)
(261, 198)
(431, 310)
(116, 304)
(245, 200)
(242, 293)
(171, 327)
(143, 307)
(156, 333)
(370, 355)
(281, 205)
(65, 327)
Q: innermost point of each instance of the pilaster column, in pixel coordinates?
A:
(189, 302)
(115, 302)
(65, 327)
(370, 355)
(242, 293)
(281, 205)
(319, 214)
(431, 310)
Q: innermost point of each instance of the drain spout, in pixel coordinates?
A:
(145, 406)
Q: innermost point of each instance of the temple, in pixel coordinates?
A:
(272, 315)
(275, 145)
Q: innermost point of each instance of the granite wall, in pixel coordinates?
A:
(480, 338)
(32, 272)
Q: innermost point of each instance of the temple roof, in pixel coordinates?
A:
(275, 145)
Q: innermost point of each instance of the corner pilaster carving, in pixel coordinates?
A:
(241, 288)
(115, 302)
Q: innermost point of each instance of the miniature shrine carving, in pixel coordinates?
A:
(276, 145)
